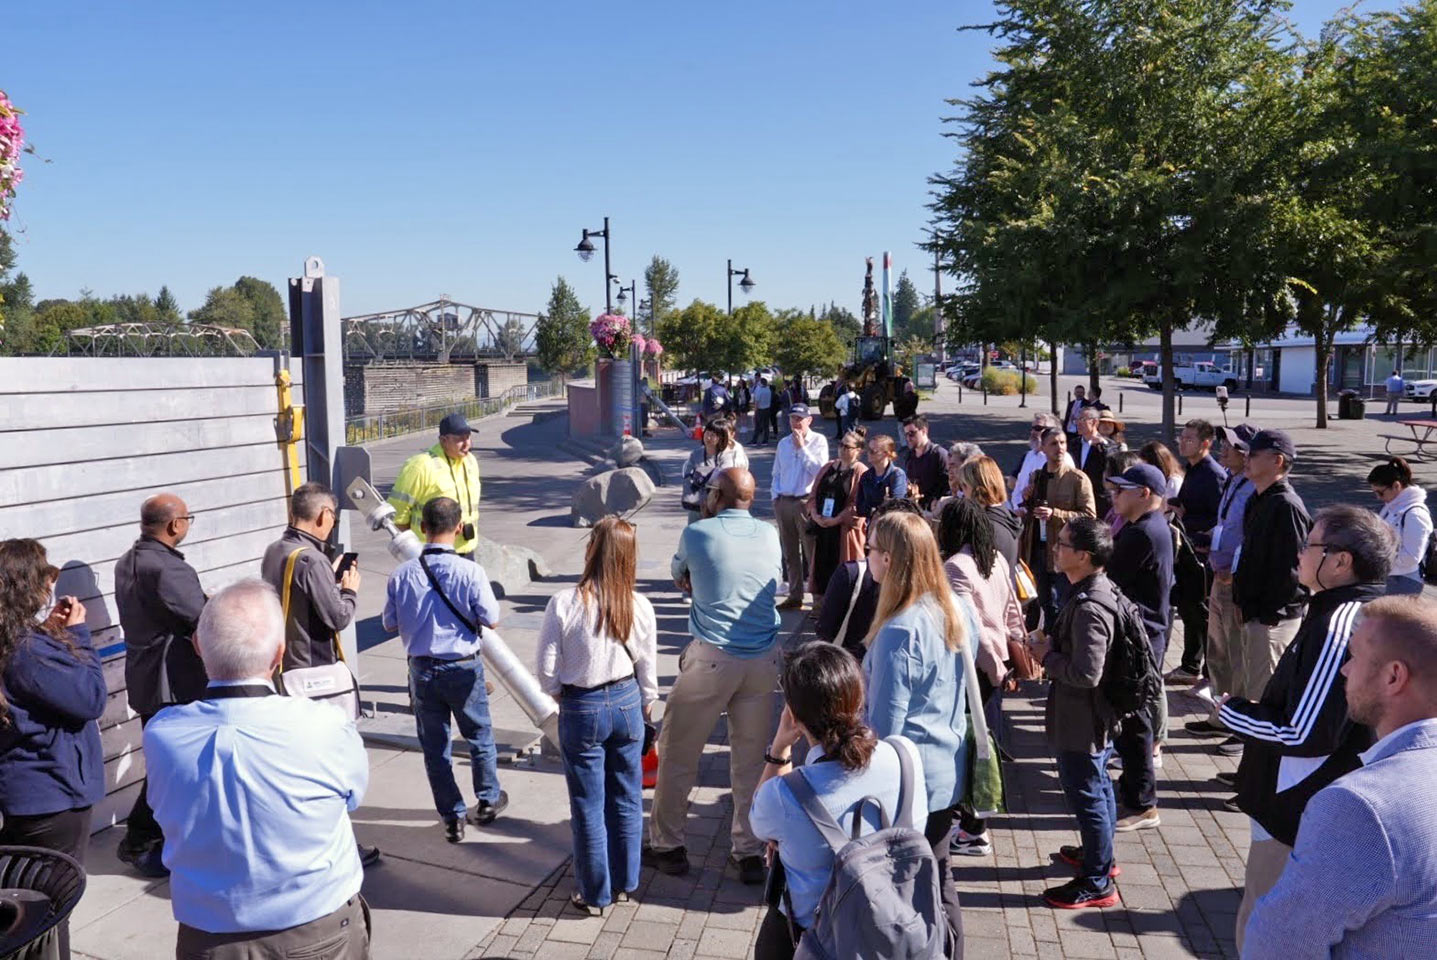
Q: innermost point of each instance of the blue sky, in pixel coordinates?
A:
(458, 148)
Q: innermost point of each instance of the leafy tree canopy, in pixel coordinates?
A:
(561, 336)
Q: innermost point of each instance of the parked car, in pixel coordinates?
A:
(1420, 389)
(1203, 375)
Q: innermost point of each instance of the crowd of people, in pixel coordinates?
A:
(861, 762)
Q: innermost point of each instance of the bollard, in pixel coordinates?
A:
(985, 394)
(960, 393)
(1180, 404)
(1120, 403)
(1247, 407)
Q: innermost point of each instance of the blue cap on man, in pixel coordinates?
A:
(454, 425)
(1141, 475)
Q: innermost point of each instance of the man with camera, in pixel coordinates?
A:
(447, 469)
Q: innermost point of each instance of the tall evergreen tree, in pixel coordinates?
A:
(661, 279)
(561, 336)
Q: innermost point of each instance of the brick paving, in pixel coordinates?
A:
(1180, 886)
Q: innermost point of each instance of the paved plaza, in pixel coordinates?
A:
(503, 892)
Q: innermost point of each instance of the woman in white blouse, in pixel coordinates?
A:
(596, 656)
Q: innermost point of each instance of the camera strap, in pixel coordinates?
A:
(434, 582)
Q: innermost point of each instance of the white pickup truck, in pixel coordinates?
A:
(1202, 375)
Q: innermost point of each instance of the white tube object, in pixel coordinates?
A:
(540, 708)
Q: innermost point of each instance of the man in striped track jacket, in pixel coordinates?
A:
(1298, 736)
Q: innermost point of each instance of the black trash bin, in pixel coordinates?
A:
(1344, 404)
(1357, 407)
(38, 889)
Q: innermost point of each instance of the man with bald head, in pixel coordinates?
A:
(159, 599)
(731, 564)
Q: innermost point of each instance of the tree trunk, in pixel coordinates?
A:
(1023, 374)
(1322, 344)
(1053, 374)
(1165, 359)
(1092, 349)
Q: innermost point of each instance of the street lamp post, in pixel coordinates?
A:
(746, 284)
(630, 293)
(585, 250)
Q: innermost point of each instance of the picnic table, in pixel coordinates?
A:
(1422, 438)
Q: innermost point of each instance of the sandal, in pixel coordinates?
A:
(576, 900)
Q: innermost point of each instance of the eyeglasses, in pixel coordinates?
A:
(1312, 544)
(910, 433)
(188, 518)
(1065, 544)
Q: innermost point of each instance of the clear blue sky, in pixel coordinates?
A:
(459, 147)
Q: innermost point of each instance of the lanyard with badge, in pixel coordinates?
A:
(465, 507)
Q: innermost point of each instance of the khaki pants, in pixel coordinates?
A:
(341, 935)
(711, 682)
(1262, 647)
(798, 544)
(1224, 637)
(1266, 860)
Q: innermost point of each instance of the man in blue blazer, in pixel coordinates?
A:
(1362, 879)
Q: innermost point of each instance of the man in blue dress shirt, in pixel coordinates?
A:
(253, 791)
(438, 602)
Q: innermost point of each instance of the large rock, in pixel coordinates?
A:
(617, 491)
(627, 452)
(509, 569)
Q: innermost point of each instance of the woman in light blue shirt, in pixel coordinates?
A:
(823, 693)
(914, 669)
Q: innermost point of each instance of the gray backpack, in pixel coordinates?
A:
(882, 901)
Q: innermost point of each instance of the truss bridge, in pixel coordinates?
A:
(441, 331)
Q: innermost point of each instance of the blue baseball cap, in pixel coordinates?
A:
(1141, 475)
(453, 425)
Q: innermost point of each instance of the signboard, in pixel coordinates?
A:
(925, 375)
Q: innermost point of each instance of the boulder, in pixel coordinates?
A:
(627, 452)
(509, 569)
(614, 492)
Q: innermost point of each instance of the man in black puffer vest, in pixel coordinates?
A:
(1298, 736)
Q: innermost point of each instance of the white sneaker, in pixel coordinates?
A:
(970, 844)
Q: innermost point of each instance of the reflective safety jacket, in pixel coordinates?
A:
(431, 474)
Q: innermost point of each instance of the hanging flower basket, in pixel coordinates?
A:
(613, 334)
(12, 139)
(652, 348)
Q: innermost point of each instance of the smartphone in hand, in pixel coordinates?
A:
(345, 562)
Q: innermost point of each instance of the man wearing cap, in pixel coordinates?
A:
(796, 461)
(447, 469)
(1265, 584)
(1224, 623)
(1142, 568)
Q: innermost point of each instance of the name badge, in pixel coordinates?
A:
(827, 510)
(1043, 531)
(1216, 538)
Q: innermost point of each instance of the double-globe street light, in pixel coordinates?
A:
(746, 284)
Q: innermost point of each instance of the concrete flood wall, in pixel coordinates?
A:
(372, 389)
(83, 441)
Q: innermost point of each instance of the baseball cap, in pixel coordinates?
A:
(1273, 440)
(1141, 475)
(454, 424)
(799, 410)
(1239, 436)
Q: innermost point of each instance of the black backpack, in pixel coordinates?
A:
(1131, 679)
(1427, 567)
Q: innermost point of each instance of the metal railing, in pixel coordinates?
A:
(380, 426)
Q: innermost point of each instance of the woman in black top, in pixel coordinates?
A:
(832, 510)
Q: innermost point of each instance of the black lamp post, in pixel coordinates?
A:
(629, 293)
(746, 284)
(646, 304)
(585, 250)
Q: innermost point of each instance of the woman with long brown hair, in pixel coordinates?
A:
(52, 692)
(981, 480)
(833, 509)
(597, 647)
(915, 669)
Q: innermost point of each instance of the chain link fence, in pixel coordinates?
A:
(360, 430)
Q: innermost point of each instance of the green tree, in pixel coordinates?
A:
(746, 339)
(661, 279)
(688, 336)
(906, 303)
(226, 307)
(16, 307)
(271, 320)
(807, 346)
(510, 339)
(168, 307)
(561, 337)
(134, 309)
(844, 322)
(51, 323)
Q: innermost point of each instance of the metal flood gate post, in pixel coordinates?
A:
(317, 345)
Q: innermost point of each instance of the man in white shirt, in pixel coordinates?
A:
(796, 462)
(762, 412)
(1034, 460)
(1395, 387)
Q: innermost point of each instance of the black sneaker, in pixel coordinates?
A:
(751, 870)
(145, 856)
(368, 856)
(453, 829)
(484, 813)
(1072, 855)
(1206, 728)
(674, 862)
(1227, 777)
(1231, 804)
(1077, 894)
(1231, 747)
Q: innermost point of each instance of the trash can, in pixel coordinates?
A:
(38, 889)
(1357, 407)
(1344, 404)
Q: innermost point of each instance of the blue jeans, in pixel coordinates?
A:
(1089, 793)
(437, 689)
(601, 734)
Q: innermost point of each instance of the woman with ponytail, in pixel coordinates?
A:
(846, 762)
(915, 670)
(1405, 510)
